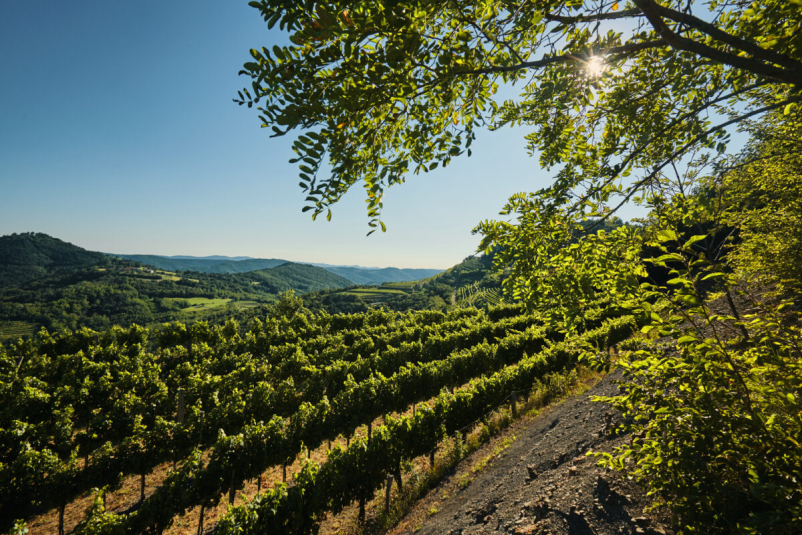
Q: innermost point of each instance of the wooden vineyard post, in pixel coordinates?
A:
(142, 487)
(387, 494)
(284, 472)
(259, 485)
(399, 480)
(232, 489)
(361, 510)
(370, 431)
(431, 457)
(200, 521)
(514, 404)
(61, 508)
(202, 421)
(180, 411)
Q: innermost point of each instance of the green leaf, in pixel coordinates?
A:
(694, 239)
(666, 235)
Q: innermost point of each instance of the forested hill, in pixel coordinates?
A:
(30, 256)
(355, 274)
(50, 283)
(205, 265)
(298, 277)
(370, 276)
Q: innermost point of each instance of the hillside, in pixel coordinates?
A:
(217, 264)
(470, 283)
(205, 265)
(53, 284)
(30, 256)
(369, 276)
(300, 277)
(535, 478)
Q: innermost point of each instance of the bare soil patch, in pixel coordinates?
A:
(542, 482)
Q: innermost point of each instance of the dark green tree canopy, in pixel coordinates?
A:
(614, 92)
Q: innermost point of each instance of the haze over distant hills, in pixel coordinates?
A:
(223, 264)
(204, 264)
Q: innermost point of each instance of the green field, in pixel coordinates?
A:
(373, 294)
(197, 304)
(407, 285)
(12, 330)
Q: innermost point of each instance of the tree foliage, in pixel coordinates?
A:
(762, 197)
(614, 92)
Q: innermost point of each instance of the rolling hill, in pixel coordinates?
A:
(221, 264)
(205, 264)
(30, 256)
(50, 283)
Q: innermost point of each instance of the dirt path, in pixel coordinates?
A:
(543, 483)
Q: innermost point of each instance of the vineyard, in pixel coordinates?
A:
(225, 405)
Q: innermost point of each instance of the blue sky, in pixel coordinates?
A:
(119, 134)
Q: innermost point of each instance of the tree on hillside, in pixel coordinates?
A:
(615, 93)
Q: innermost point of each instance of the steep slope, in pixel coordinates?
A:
(299, 277)
(30, 256)
(543, 482)
(369, 276)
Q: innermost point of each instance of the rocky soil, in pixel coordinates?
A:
(544, 483)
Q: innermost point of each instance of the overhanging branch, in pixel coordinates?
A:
(567, 58)
(627, 13)
(719, 34)
(758, 67)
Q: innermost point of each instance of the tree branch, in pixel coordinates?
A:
(649, 8)
(627, 13)
(724, 37)
(648, 178)
(566, 58)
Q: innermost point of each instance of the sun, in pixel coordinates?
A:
(595, 66)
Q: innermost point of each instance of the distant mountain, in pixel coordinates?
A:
(213, 257)
(220, 264)
(377, 276)
(205, 264)
(30, 256)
